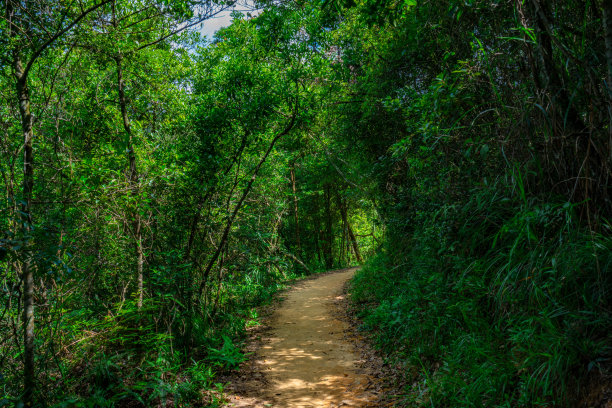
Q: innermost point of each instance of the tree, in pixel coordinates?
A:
(24, 50)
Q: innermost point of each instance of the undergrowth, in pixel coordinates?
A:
(503, 301)
(139, 357)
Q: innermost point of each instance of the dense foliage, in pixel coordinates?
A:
(158, 186)
(487, 127)
(150, 184)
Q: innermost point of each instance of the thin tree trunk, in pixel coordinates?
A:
(295, 208)
(344, 213)
(133, 176)
(133, 180)
(299, 261)
(245, 193)
(26, 266)
(553, 80)
(316, 221)
(329, 238)
(27, 272)
(21, 71)
(203, 199)
(354, 242)
(343, 251)
(607, 20)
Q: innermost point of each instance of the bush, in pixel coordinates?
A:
(510, 306)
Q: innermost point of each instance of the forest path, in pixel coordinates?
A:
(304, 360)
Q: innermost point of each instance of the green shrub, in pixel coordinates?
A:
(510, 306)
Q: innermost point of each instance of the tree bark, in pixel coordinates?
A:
(316, 221)
(344, 213)
(344, 255)
(553, 76)
(132, 176)
(26, 266)
(329, 237)
(295, 208)
(133, 183)
(21, 70)
(27, 272)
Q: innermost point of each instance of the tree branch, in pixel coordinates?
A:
(57, 35)
(246, 191)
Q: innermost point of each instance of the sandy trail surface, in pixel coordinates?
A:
(304, 360)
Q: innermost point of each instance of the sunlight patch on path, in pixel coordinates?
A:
(305, 360)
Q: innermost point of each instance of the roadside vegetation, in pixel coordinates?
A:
(157, 186)
(486, 124)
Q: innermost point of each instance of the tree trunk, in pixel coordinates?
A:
(344, 213)
(133, 177)
(133, 181)
(245, 193)
(21, 70)
(607, 20)
(203, 199)
(27, 272)
(295, 209)
(26, 268)
(354, 242)
(316, 222)
(344, 255)
(329, 237)
(542, 15)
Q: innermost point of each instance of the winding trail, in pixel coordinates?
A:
(304, 360)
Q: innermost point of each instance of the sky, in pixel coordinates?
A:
(224, 19)
(211, 26)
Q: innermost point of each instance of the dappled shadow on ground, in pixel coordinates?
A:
(303, 360)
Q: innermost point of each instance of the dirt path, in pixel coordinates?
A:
(304, 360)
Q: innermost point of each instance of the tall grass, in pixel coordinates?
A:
(502, 301)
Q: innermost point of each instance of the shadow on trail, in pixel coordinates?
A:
(305, 361)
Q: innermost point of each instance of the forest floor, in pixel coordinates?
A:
(308, 354)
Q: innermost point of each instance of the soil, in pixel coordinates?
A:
(307, 355)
